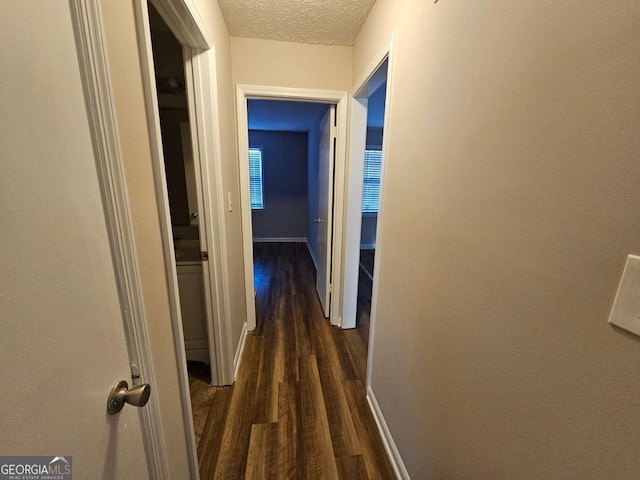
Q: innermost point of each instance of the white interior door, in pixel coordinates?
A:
(189, 173)
(206, 219)
(63, 344)
(325, 207)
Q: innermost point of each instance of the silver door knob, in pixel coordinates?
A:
(120, 394)
(317, 220)
(194, 215)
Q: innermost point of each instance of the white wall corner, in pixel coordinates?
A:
(389, 445)
(239, 351)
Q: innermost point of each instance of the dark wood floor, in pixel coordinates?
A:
(298, 408)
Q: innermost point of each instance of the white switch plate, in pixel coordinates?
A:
(625, 312)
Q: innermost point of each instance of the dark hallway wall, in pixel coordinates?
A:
(174, 163)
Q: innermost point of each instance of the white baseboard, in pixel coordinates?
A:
(239, 351)
(389, 445)
(313, 255)
(279, 239)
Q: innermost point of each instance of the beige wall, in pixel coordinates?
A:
(287, 64)
(126, 76)
(513, 138)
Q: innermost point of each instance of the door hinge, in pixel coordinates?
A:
(330, 288)
(135, 373)
(204, 256)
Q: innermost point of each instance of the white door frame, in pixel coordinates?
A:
(94, 70)
(353, 220)
(200, 71)
(339, 98)
(186, 24)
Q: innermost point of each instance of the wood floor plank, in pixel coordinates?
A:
(373, 452)
(265, 408)
(343, 434)
(303, 324)
(298, 408)
(201, 395)
(358, 352)
(287, 431)
(352, 468)
(211, 438)
(319, 460)
(342, 354)
(232, 459)
(291, 347)
(263, 451)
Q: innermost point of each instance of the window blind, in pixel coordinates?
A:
(371, 186)
(255, 178)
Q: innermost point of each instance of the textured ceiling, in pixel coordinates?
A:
(329, 22)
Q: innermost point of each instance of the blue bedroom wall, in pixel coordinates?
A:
(284, 170)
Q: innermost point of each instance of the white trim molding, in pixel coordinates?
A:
(387, 440)
(207, 125)
(237, 359)
(155, 141)
(353, 207)
(94, 71)
(185, 22)
(187, 25)
(338, 98)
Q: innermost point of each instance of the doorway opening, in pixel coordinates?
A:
(289, 164)
(185, 200)
(371, 183)
(200, 84)
(320, 228)
(365, 206)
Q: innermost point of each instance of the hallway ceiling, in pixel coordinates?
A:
(284, 116)
(329, 22)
